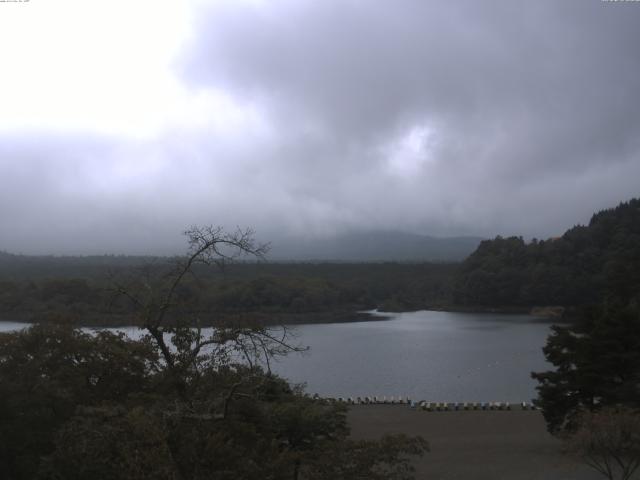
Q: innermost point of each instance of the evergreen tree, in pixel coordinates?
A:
(597, 364)
(584, 266)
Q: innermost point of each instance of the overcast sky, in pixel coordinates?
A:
(124, 122)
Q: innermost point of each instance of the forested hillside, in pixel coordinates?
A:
(83, 289)
(585, 265)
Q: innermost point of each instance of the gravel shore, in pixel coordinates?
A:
(474, 445)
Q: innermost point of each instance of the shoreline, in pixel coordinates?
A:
(549, 313)
(252, 318)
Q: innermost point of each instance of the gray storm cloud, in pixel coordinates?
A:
(443, 118)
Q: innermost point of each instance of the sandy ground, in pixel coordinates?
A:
(474, 445)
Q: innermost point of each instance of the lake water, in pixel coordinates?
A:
(435, 356)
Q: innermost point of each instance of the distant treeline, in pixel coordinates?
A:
(83, 289)
(586, 265)
(28, 267)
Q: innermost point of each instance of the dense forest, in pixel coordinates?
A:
(584, 266)
(42, 288)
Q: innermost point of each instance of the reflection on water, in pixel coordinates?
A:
(437, 356)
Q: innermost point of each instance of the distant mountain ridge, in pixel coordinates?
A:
(375, 246)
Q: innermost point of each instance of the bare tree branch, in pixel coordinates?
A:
(154, 297)
(609, 441)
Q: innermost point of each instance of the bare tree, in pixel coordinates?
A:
(181, 341)
(609, 442)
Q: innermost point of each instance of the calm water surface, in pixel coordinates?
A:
(436, 356)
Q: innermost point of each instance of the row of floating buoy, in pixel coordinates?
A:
(434, 406)
(444, 406)
(374, 400)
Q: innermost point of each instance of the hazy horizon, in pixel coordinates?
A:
(302, 248)
(312, 119)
